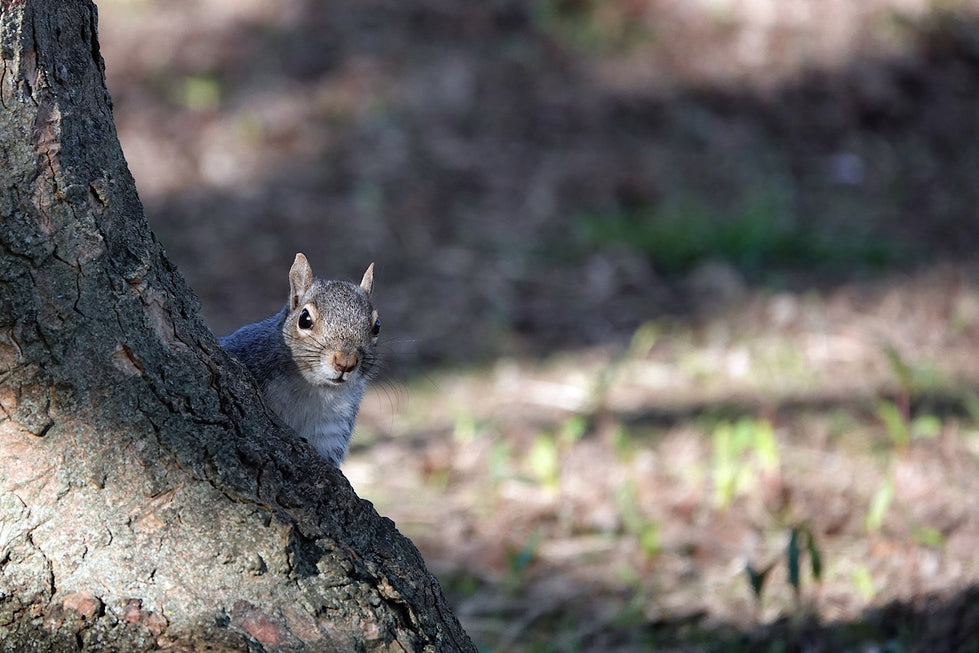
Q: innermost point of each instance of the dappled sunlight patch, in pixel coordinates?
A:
(744, 493)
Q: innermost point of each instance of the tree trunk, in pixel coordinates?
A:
(146, 499)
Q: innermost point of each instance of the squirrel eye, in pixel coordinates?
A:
(376, 329)
(305, 320)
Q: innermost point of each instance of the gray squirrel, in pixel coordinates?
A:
(313, 359)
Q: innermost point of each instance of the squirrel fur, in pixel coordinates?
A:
(313, 359)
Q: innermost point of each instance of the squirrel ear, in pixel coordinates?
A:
(300, 279)
(367, 283)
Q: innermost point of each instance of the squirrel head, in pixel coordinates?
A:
(331, 327)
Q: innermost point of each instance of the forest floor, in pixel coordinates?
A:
(680, 300)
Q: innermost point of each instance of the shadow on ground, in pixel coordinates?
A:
(932, 623)
(525, 192)
(937, 623)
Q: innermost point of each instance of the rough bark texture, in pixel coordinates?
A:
(146, 499)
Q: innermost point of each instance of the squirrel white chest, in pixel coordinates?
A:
(322, 415)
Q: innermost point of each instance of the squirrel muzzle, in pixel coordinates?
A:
(344, 363)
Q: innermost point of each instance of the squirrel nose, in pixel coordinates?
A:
(344, 363)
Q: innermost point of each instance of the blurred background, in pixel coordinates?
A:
(680, 298)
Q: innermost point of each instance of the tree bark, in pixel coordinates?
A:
(146, 499)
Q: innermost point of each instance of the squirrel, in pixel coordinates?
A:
(313, 359)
